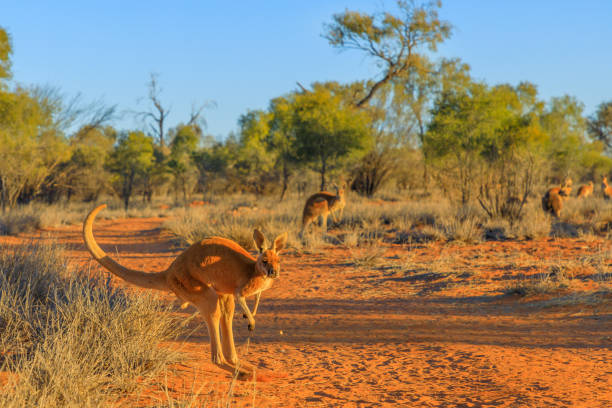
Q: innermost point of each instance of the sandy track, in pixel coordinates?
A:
(361, 337)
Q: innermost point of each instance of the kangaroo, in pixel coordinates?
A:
(323, 204)
(209, 274)
(585, 190)
(552, 201)
(606, 189)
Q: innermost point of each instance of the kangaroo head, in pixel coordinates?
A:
(340, 195)
(268, 261)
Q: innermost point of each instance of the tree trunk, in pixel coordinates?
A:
(285, 180)
(323, 170)
(377, 85)
(127, 190)
(3, 196)
(160, 124)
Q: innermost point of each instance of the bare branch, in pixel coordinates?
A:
(159, 113)
(195, 117)
(304, 90)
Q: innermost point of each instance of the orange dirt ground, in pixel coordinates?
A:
(427, 326)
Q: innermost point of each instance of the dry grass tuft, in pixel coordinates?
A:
(70, 340)
(369, 257)
(16, 222)
(558, 277)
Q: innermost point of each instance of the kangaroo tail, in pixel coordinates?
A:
(138, 278)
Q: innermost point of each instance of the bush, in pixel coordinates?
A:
(13, 222)
(235, 218)
(72, 340)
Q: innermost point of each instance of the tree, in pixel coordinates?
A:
(185, 140)
(480, 138)
(6, 50)
(389, 131)
(282, 139)
(31, 144)
(328, 129)
(84, 173)
(131, 158)
(158, 114)
(254, 161)
(212, 163)
(395, 42)
(93, 137)
(600, 125)
(565, 128)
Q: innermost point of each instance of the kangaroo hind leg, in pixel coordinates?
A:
(208, 305)
(226, 302)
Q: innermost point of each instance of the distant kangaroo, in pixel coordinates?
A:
(585, 190)
(606, 189)
(323, 204)
(209, 274)
(552, 201)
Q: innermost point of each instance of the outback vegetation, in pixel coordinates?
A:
(447, 196)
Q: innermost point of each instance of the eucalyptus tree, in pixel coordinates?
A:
(480, 138)
(282, 138)
(600, 125)
(398, 43)
(184, 142)
(6, 50)
(328, 128)
(32, 144)
(131, 158)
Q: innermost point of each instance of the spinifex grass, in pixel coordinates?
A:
(69, 340)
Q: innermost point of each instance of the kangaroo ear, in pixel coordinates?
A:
(280, 242)
(259, 238)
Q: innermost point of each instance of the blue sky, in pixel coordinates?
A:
(240, 54)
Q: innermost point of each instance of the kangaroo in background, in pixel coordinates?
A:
(209, 274)
(585, 190)
(323, 204)
(552, 201)
(606, 189)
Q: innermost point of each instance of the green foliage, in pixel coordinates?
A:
(490, 142)
(254, 160)
(84, 173)
(396, 42)
(600, 125)
(212, 163)
(482, 140)
(565, 128)
(327, 129)
(281, 138)
(480, 122)
(131, 158)
(31, 144)
(185, 139)
(593, 161)
(6, 50)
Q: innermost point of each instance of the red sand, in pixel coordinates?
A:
(430, 327)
